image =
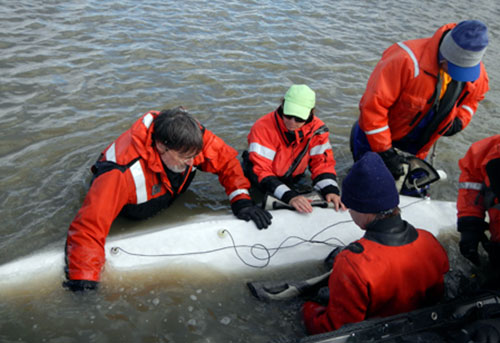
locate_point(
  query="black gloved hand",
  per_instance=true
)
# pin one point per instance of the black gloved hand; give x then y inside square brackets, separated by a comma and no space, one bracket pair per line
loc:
[80,285]
[246,210]
[493,250]
[394,162]
[469,242]
[471,233]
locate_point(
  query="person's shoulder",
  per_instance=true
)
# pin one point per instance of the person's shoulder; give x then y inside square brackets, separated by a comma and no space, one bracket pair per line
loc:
[266,122]
[355,247]
[351,250]
[486,146]
[265,118]
[317,122]
[424,235]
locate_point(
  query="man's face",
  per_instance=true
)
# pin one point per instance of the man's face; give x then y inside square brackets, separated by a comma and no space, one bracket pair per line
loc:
[174,160]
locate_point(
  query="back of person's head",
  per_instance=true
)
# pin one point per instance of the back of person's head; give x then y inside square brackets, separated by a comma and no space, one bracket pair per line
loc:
[369,186]
[178,131]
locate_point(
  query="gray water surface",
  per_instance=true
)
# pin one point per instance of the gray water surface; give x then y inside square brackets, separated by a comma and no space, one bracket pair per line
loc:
[76,74]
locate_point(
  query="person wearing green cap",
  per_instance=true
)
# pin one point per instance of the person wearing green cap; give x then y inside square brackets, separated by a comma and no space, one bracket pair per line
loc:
[284,143]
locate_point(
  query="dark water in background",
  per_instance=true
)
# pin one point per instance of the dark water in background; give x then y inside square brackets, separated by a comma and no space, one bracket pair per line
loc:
[76,74]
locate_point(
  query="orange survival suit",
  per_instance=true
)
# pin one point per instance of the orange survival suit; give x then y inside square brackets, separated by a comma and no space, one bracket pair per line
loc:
[394,268]
[277,158]
[401,106]
[477,194]
[130,179]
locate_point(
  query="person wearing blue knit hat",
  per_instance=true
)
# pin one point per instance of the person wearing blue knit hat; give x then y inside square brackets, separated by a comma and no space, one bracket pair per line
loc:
[394,268]
[463,49]
[420,90]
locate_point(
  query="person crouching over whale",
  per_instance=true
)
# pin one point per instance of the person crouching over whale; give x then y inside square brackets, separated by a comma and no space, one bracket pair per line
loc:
[283,144]
[394,268]
[142,172]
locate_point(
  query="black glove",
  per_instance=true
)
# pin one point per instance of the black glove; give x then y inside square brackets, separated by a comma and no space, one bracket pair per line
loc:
[455,127]
[394,162]
[469,242]
[493,250]
[80,285]
[483,331]
[471,233]
[246,210]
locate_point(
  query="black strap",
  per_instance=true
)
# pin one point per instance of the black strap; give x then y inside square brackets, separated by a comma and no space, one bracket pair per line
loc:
[442,109]
[278,126]
[299,158]
[101,167]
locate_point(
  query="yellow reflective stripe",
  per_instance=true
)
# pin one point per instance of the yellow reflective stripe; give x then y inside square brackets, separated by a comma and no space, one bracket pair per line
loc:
[470,185]
[111,153]
[467,108]
[326,182]
[238,192]
[412,56]
[280,190]
[140,182]
[262,151]
[319,149]
[372,132]
[147,120]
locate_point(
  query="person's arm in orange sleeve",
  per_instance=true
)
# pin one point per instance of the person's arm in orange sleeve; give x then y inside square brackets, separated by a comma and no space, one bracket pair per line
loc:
[347,304]
[221,159]
[87,233]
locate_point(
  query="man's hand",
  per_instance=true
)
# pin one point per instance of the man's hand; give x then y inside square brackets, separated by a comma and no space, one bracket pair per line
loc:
[335,199]
[301,204]
[394,162]
[469,242]
[471,233]
[245,209]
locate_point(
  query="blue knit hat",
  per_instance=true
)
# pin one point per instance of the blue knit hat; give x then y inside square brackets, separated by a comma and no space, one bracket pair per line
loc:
[463,48]
[369,186]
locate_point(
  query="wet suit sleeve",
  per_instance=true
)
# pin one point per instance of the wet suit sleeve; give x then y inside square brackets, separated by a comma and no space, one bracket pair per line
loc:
[262,151]
[469,201]
[349,299]
[87,233]
[383,90]
[322,165]
[221,159]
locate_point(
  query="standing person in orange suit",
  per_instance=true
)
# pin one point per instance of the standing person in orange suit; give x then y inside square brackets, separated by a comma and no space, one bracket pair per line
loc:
[420,90]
